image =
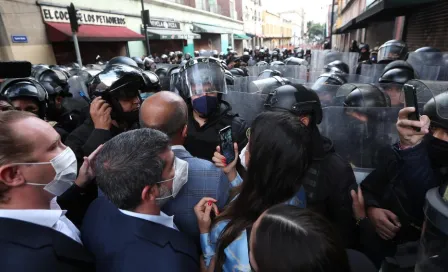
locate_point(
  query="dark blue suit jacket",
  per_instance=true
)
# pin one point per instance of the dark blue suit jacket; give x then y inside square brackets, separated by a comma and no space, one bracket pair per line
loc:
[124,243]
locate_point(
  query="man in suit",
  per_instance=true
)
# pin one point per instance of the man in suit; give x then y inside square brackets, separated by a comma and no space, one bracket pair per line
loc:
[35,234]
[167,112]
[125,229]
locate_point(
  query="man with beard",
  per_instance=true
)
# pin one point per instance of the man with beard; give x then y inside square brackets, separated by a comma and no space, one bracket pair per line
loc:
[395,192]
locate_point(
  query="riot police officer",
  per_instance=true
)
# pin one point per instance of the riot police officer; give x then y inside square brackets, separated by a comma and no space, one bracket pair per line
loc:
[364,52]
[394,76]
[196,54]
[149,64]
[325,195]
[164,58]
[179,56]
[139,62]
[392,50]
[203,83]
[122,60]
[5,104]
[114,109]
[215,54]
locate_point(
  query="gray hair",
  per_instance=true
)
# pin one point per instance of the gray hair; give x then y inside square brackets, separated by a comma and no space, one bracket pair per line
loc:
[128,163]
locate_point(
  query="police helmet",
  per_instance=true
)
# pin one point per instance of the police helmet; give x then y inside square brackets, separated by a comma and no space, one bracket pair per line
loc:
[37,68]
[118,82]
[364,46]
[295,61]
[171,55]
[53,78]
[230,79]
[139,62]
[162,72]
[296,99]
[432,108]
[269,73]
[246,57]
[26,88]
[196,54]
[364,96]
[398,71]
[164,57]
[179,54]
[329,79]
[392,50]
[277,63]
[152,82]
[427,49]
[221,55]
[237,72]
[122,60]
[337,66]
[149,64]
[261,63]
[215,54]
[187,56]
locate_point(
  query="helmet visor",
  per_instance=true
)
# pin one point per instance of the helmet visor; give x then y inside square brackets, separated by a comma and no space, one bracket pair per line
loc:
[204,77]
[391,52]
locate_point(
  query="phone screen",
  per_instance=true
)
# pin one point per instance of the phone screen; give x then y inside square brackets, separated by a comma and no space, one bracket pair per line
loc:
[227,150]
[410,95]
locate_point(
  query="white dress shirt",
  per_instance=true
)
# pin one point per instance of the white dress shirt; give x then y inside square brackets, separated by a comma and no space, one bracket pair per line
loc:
[162,219]
[177,147]
[54,219]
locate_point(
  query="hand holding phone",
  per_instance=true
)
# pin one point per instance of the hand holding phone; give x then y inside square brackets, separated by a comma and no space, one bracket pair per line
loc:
[226,144]
[410,95]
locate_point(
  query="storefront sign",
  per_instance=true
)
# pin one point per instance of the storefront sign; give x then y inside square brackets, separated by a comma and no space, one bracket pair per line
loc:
[60,15]
[19,39]
[178,37]
[165,24]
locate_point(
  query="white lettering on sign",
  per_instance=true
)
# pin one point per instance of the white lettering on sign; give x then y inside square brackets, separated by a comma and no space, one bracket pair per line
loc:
[60,15]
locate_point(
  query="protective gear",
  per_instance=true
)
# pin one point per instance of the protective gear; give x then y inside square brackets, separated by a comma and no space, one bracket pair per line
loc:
[397,72]
[187,56]
[237,72]
[139,62]
[152,82]
[196,54]
[296,99]
[222,56]
[329,79]
[179,180]
[354,47]
[205,105]
[337,66]
[435,109]
[66,170]
[164,58]
[364,52]
[119,82]
[122,60]
[267,85]
[262,63]
[392,50]
[162,72]
[179,55]
[26,88]
[246,57]
[229,49]
[269,73]
[230,79]
[149,64]
[202,75]
[277,63]
[215,54]
[295,61]
[363,96]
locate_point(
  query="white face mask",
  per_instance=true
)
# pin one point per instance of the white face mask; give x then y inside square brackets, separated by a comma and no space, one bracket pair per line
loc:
[243,157]
[179,180]
[66,170]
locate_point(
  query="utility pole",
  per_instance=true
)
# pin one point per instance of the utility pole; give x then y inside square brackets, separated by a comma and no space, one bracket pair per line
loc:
[332,24]
[145,22]
[73,17]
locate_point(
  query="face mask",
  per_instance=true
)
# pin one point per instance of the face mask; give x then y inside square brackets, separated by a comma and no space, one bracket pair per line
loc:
[437,151]
[146,95]
[179,180]
[243,157]
[130,117]
[65,167]
[205,105]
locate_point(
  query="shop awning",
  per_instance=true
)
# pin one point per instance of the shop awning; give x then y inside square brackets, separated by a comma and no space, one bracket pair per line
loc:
[250,35]
[161,34]
[241,37]
[201,28]
[348,26]
[60,32]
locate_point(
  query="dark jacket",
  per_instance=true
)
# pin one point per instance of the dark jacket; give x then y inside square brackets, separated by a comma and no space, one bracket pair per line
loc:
[124,243]
[330,195]
[76,200]
[202,141]
[29,247]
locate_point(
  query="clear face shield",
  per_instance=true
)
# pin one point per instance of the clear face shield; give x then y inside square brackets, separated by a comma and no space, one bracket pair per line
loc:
[391,52]
[203,76]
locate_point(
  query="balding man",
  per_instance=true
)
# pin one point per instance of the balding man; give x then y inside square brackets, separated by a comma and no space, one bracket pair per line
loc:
[167,112]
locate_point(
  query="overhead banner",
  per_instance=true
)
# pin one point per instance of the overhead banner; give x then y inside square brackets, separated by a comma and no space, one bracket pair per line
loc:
[60,15]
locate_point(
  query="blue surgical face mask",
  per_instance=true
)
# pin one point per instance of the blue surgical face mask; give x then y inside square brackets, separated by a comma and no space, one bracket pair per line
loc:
[205,105]
[146,95]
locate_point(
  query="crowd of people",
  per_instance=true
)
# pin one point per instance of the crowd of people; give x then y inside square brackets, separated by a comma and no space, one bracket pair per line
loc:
[110,167]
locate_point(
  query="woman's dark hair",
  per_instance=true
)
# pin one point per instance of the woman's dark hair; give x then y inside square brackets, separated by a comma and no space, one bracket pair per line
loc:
[292,239]
[279,158]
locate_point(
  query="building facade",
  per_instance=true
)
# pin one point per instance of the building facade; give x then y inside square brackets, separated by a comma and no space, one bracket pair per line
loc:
[297,19]
[277,32]
[40,31]
[252,17]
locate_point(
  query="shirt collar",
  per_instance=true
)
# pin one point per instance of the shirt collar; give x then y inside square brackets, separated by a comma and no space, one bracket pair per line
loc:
[162,219]
[177,147]
[46,218]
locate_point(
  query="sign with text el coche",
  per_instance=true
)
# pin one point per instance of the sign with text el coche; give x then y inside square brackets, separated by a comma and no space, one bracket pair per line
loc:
[60,15]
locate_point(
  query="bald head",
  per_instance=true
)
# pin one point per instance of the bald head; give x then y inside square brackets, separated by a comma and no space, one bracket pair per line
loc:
[165,111]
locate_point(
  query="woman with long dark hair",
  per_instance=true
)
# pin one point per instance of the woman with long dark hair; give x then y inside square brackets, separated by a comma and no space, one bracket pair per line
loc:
[277,160]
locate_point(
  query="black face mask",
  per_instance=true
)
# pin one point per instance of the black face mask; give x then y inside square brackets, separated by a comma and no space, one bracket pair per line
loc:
[437,151]
[131,118]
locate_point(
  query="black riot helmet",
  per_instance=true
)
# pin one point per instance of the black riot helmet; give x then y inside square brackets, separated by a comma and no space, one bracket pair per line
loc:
[221,56]
[171,55]
[277,63]
[215,54]
[162,72]
[152,82]
[139,62]
[237,72]
[37,68]
[398,71]
[364,52]
[245,57]
[261,63]
[295,61]
[337,66]
[296,99]
[118,82]
[26,88]
[175,84]
[392,50]
[122,60]
[329,79]
[196,54]
[187,56]
[269,73]
[437,104]
[230,79]
[267,85]
[179,54]
[427,49]
[53,79]
[149,64]
[164,58]
[364,96]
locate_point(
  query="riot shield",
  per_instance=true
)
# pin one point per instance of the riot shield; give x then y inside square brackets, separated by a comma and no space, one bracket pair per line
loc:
[395,93]
[165,83]
[372,71]
[247,105]
[313,77]
[321,58]
[297,72]
[427,90]
[427,65]
[78,88]
[267,85]
[360,135]
[166,65]
[326,93]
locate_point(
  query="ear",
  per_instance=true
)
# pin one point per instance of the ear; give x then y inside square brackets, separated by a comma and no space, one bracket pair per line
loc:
[11,176]
[149,193]
[185,131]
[305,120]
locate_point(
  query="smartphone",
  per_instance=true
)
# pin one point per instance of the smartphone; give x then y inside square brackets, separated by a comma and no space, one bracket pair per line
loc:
[226,144]
[410,96]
